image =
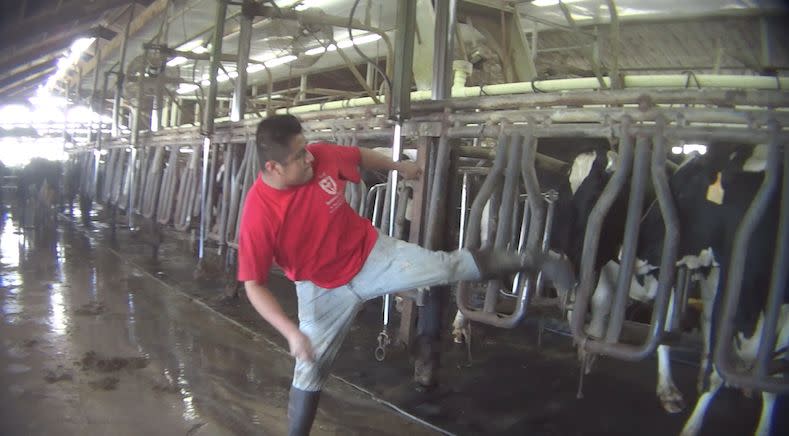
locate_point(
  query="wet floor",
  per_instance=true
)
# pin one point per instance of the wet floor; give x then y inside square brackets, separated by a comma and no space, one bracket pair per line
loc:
[99,337]
[93,344]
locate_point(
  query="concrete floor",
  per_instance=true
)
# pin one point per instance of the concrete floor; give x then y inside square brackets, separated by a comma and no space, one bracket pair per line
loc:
[93,345]
[100,338]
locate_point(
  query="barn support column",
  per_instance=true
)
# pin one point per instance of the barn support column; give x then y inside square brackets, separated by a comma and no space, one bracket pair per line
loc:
[429,321]
[208,115]
[119,78]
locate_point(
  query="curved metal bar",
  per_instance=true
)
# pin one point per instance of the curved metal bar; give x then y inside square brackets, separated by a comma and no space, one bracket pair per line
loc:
[167,190]
[671,239]
[529,174]
[731,294]
[187,192]
[492,181]
[117,177]
[109,175]
[508,202]
[592,235]
[153,184]
[237,193]
[627,262]
[534,196]
[778,281]
[227,178]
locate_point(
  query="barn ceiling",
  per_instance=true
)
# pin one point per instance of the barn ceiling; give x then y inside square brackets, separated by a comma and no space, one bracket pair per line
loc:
[671,35]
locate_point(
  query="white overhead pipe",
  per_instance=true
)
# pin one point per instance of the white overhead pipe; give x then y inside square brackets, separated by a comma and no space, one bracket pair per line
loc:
[681,81]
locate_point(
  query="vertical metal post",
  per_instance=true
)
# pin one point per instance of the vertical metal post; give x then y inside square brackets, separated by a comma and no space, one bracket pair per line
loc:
[634,210]
[216,53]
[240,94]
[370,76]
[94,90]
[778,279]
[400,107]
[302,88]
[116,104]
[766,43]
[731,297]
[429,321]
[443,55]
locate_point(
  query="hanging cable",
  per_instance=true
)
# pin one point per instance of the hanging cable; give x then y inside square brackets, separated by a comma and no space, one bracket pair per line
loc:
[370,62]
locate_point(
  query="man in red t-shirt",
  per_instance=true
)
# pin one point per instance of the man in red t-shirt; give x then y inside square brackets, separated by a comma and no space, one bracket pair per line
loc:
[296,215]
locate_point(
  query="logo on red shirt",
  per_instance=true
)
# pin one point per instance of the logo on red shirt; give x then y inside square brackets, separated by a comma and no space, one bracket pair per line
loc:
[329,185]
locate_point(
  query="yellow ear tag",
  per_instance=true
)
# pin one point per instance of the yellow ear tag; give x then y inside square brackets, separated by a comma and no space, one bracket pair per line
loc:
[715,191]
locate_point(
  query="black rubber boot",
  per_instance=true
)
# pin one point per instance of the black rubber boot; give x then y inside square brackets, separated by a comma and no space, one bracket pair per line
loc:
[499,263]
[302,406]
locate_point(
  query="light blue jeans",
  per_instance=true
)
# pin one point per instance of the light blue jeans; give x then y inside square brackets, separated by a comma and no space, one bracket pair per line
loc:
[325,315]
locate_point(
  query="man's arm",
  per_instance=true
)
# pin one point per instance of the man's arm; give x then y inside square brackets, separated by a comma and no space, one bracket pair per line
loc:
[372,160]
[267,306]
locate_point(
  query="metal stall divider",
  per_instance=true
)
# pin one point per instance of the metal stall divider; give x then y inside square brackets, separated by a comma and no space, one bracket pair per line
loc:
[761,377]
[229,162]
[167,189]
[210,218]
[187,192]
[638,161]
[109,175]
[520,155]
[152,186]
[117,179]
[245,177]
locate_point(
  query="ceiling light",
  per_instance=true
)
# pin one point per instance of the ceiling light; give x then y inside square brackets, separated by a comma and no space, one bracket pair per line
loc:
[200,49]
[345,43]
[280,61]
[190,46]
[186,88]
[178,60]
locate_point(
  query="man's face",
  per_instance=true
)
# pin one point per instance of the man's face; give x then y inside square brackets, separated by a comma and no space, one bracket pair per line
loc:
[296,169]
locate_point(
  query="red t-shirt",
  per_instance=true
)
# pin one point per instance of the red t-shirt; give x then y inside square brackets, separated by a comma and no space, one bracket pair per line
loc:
[310,231]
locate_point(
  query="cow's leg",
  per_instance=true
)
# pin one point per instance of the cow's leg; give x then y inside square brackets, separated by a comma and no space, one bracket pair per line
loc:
[460,328]
[693,424]
[709,287]
[670,397]
[602,300]
[766,417]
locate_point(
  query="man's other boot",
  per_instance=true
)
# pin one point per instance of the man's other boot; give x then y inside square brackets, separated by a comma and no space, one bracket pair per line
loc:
[302,406]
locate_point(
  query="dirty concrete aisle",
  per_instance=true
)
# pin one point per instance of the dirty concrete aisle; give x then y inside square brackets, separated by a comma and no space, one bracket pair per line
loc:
[93,345]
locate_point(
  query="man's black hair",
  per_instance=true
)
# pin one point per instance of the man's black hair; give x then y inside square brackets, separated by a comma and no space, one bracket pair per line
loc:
[273,138]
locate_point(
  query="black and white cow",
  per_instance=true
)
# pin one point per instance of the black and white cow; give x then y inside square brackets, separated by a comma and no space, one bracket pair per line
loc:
[589,175]
[712,194]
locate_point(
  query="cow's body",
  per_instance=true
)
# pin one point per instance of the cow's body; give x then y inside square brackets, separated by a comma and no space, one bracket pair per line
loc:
[712,194]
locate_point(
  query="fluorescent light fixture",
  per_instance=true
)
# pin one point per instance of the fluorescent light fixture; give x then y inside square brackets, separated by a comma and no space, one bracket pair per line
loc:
[542,3]
[178,60]
[280,61]
[306,4]
[190,46]
[345,43]
[185,150]
[319,50]
[359,40]
[254,68]
[200,49]
[185,88]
